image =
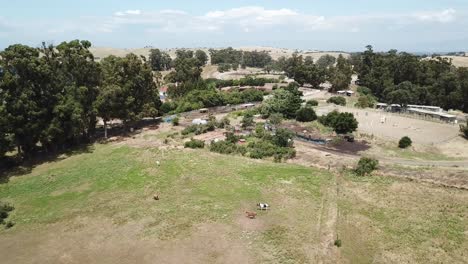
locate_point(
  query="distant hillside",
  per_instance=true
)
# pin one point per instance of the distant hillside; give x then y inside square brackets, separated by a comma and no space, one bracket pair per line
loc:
[102,52]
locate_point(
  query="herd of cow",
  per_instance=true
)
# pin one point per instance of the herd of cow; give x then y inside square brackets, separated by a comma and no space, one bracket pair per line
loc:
[261,206]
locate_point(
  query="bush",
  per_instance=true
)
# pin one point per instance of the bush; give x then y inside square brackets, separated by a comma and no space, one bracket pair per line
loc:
[312,103]
[365,101]
[5,209]
[464,130]
[306,114]
[366,166]
[226,147]
[364,90]
[194,144]
[189,129]
[9,224]
[337,242]
[247,121]
[175,121]
[404,142]
[338,100]
[275,118]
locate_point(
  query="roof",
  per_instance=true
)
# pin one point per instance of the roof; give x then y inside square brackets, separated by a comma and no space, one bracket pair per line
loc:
[163,89]
[431,113]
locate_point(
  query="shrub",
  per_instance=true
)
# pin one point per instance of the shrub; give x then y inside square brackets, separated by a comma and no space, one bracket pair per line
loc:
[189,129]
[9,224]
[338,100]
[464,130]
[312,103]
[175,121]
[247,121]
[275,118]
[224,122]
[283,138]
[365,101]
[306,114]
[337,242]
[404,142]
[364,90]
[225,147]
[366,166]
[5,209]
[194,143]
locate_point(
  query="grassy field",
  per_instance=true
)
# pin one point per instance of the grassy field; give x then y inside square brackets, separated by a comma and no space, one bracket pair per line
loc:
[98,207]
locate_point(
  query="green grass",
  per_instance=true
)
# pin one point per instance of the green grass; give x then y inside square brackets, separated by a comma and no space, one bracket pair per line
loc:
[119,182]
[377,215]
[410,153]
[405,218]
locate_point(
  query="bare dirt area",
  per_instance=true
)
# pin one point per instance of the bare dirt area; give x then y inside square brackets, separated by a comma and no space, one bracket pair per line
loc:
[397,126]
[86,240]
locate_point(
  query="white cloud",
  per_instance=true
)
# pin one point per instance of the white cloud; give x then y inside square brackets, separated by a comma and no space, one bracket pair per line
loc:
[444,16]
[254,18]
[128,12]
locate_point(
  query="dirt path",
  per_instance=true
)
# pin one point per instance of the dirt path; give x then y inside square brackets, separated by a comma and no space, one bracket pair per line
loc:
[327,223]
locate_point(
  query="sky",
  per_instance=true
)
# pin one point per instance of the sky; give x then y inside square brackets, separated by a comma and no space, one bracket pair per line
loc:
[345,25]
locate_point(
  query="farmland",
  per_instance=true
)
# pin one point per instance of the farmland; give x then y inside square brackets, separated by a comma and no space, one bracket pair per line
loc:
[97,205]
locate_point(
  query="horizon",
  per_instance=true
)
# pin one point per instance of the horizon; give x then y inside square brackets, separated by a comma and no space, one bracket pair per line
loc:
[419,26]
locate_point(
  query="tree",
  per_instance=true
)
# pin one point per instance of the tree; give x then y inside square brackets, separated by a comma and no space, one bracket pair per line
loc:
[138,95]
[24,97]
[159,61]
[282,102]
[108,103]
[345,123]
[366,166]
[202,58]
[341,75]
[342,123]
[404,142]
[326,61]
[306,114]
[283,138]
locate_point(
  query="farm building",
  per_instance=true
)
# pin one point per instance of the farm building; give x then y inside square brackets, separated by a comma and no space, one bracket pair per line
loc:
[433,114]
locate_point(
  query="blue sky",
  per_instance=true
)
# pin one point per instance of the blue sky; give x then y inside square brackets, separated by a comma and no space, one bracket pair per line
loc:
[412,25]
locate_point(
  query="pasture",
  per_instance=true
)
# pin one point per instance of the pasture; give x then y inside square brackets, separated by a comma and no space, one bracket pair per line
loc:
[97,206]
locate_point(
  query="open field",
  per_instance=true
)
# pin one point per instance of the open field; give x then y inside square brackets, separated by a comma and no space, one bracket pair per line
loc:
[97,206]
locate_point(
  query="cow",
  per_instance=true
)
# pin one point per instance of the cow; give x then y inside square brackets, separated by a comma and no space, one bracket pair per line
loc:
[251,215]
[156,197]
[263,206]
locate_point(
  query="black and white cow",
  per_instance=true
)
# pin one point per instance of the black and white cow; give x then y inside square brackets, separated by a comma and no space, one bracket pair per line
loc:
[263,206]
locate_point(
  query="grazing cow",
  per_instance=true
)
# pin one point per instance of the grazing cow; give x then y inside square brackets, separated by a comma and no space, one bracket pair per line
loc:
[263,206]
[251,215]
[156,197]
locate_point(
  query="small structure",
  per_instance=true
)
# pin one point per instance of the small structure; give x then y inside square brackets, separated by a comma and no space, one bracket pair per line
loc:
[199,121]
[203,110]
[382,106]
[394,108]
[437,115]
[349,93]
[245,106]
[341,92]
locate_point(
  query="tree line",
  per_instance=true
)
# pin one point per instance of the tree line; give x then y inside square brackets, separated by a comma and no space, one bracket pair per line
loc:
[52,96]
[337,71]
[404,78]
